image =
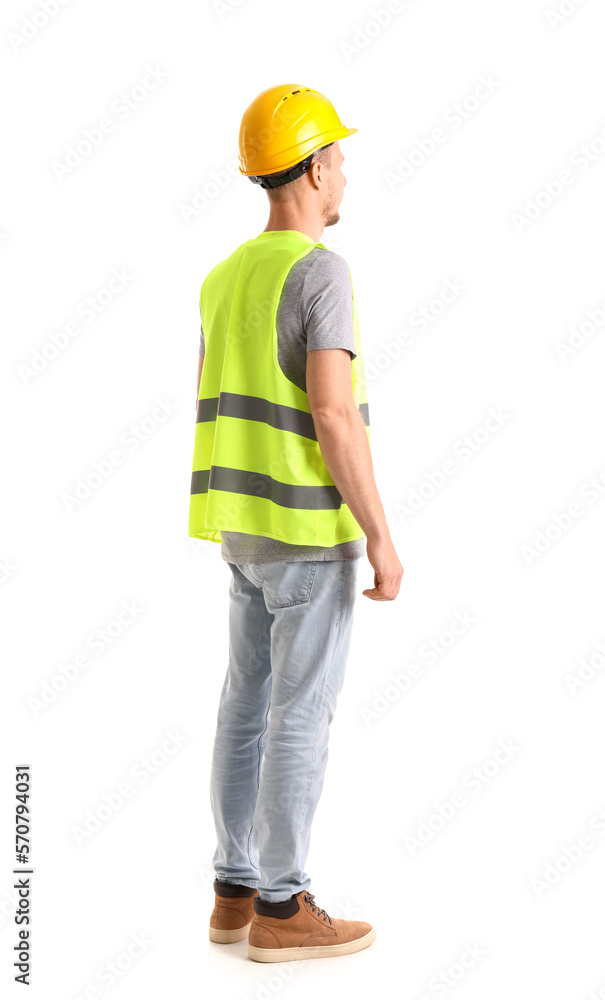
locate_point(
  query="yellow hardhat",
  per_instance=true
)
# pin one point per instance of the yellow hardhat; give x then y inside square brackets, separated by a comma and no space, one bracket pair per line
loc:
[282,128]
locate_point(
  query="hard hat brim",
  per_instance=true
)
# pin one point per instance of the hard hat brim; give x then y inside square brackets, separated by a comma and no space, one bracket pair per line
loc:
[313,144]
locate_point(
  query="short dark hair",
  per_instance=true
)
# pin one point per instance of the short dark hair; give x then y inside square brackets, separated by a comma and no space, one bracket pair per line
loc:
[322,155]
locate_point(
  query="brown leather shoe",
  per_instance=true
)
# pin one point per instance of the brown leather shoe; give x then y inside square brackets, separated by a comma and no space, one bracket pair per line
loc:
[233,911]
[299,929]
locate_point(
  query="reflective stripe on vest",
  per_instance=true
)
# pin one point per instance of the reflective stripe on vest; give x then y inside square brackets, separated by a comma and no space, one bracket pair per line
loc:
[257,465]
[252,408]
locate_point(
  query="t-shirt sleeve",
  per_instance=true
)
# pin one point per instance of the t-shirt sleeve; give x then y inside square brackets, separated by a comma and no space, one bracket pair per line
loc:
[202,345]
[327,304]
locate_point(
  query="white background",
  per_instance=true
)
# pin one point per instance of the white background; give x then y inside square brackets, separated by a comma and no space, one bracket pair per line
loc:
[472,546]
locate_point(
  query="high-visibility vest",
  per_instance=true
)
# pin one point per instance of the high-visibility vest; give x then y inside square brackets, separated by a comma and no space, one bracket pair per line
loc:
[257,464]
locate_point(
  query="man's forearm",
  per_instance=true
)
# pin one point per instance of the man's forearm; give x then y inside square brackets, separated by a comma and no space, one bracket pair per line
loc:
[345,448]
[200,365]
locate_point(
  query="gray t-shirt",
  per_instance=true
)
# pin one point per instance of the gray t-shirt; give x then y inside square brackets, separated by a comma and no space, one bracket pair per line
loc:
[315,312]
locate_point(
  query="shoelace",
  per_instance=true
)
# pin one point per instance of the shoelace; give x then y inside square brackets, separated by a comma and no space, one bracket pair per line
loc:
[309,899]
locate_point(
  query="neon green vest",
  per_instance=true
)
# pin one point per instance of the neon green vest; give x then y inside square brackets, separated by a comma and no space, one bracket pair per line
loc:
[257,464]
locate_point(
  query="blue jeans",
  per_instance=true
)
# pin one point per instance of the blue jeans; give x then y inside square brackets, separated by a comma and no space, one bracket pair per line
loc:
[289,637]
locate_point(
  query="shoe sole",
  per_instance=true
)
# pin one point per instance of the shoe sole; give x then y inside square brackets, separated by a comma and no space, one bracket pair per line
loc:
[315,951]
[228,937]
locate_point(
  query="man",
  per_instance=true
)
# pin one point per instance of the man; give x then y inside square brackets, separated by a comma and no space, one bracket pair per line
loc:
[283,478]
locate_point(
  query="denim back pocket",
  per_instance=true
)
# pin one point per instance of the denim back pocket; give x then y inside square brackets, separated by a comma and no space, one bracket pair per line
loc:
[238,577]
[287,584]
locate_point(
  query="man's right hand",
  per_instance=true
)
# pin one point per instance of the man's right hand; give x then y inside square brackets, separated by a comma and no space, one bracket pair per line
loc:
[387,569]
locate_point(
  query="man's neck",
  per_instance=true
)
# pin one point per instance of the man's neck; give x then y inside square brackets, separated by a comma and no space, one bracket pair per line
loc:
[312,229]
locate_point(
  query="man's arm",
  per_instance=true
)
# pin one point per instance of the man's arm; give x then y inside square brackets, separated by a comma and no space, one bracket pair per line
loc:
[201,358]
[345,448]
[199,377]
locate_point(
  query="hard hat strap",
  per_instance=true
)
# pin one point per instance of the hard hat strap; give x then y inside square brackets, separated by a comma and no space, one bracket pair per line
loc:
[296,171]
